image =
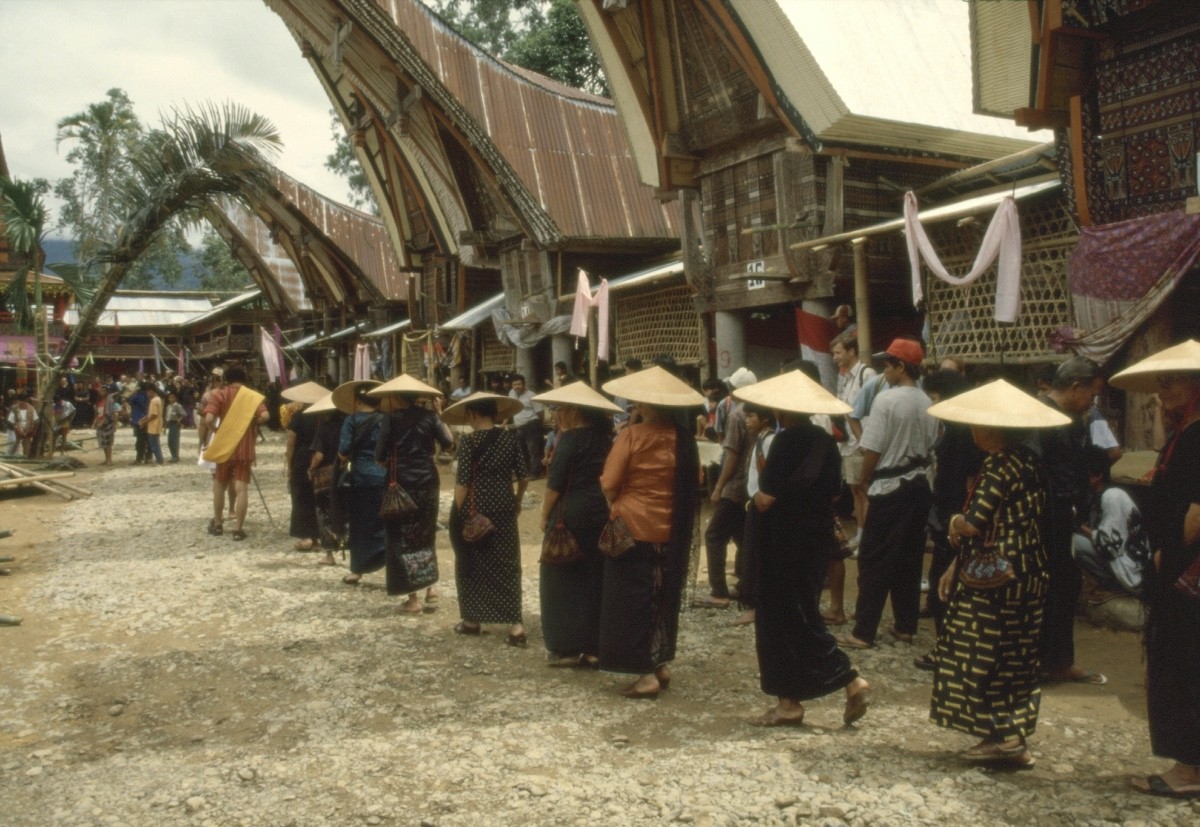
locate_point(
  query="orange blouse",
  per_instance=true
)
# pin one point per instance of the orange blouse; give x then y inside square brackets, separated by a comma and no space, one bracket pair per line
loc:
[641,469]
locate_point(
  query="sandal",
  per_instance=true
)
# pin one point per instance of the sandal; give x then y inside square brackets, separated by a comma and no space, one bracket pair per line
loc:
[1159,786]
[848,641]
[773,719]
[304,545]
[1088,678]
[404,610]
[214,528]
[995,751]
[903,637]
[520,640]
[352,579]
[927,662]
[463,628]
[238,534]
[710,602]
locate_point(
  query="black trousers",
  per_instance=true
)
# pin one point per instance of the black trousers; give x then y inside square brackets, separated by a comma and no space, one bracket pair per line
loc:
[141,445]
[890,558]
[533,439]
[727,523]
[943,556]
[1057,646]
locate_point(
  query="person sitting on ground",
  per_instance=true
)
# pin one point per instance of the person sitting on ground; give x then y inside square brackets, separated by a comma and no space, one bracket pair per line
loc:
[1112,546]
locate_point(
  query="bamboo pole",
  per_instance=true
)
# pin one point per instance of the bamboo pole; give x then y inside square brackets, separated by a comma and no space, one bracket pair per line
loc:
[14,471]
[862,299]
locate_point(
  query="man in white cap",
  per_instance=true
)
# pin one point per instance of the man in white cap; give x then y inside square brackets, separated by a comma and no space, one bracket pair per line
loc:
[728,496]
[897,443]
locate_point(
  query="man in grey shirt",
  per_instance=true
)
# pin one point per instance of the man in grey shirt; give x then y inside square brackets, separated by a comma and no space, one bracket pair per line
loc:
[897,443]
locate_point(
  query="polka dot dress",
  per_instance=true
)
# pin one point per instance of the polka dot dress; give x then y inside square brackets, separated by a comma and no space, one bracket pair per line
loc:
[489,572]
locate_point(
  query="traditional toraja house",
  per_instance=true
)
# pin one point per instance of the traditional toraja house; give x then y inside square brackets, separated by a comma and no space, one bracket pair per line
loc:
[319,263]
[489,178]
[1117,82]
[781,122]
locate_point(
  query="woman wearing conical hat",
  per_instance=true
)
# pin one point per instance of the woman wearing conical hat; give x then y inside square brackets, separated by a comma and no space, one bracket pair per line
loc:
[650,480]
[986,683]
[408,443]
[570,591]
[301,429]
[1172,587]
[790,537]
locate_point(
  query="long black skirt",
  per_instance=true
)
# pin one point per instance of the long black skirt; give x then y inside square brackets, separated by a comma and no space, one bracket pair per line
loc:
[570,597]
[415,532]
[797,656]
[639,608]
[1173,676]
[303,524]
[367,540]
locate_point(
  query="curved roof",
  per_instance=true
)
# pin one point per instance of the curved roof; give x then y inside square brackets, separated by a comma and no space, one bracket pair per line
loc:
[558,155]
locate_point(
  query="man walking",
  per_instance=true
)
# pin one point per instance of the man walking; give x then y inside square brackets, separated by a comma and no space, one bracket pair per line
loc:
[240,411]
[1063,454]
[728,496]
[897,443]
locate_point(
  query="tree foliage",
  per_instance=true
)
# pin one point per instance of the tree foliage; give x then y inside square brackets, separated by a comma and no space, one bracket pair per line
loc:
[104,139]
[343,162]
[220,272]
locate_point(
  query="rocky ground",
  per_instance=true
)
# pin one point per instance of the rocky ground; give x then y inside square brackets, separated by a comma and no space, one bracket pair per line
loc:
[165,677]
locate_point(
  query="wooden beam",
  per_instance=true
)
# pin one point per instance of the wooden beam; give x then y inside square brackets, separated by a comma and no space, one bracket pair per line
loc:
[1079,163]
[862,299]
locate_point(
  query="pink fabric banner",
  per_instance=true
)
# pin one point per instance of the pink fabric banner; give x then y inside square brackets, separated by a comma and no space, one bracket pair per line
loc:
[584,302]
[1001,241]
[270,354]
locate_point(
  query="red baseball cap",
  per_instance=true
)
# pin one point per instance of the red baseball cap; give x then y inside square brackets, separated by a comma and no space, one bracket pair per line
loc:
[903,350]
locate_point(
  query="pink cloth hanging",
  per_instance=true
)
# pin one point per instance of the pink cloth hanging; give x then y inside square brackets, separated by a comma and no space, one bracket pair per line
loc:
[362,361]
[270,353]
[584,302]
[1002,240]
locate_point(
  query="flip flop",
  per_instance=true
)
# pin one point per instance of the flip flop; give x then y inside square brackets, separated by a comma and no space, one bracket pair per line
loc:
[927,662]
[1088,678]
[352,579]
[464,629]
[1158,786]
[215,528]
[404,611]
[327,562]
[710,602]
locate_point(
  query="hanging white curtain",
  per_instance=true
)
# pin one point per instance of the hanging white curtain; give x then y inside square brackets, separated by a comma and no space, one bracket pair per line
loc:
[584,302]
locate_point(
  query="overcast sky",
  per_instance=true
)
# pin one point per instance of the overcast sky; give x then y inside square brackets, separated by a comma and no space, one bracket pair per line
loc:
[59,56]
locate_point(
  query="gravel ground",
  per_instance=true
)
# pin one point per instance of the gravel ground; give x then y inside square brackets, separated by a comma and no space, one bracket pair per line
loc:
[165,677]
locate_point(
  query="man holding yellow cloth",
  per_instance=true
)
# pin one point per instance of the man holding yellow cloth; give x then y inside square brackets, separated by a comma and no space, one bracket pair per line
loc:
[239,410]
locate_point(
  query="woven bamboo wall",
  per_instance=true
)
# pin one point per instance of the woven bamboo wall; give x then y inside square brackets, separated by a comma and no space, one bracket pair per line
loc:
[414,356]
[494,355]
[655,322]
[962,319]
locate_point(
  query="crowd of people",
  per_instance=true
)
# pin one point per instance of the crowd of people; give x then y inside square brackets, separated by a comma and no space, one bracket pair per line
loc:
[1011,490]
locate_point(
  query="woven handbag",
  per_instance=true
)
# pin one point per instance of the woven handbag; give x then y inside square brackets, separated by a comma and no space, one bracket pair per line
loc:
[615,538]
[985,567]
[559,546]
[397,502]
[476,526]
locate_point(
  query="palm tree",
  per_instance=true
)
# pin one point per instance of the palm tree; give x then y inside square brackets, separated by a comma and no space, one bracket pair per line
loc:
[195,157]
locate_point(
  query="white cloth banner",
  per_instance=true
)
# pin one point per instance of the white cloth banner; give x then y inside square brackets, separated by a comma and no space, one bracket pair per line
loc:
[362,361]
[584,302]
[270,353]
[1002,240]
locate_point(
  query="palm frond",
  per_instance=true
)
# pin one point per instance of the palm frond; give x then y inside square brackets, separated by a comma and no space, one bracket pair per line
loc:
[76,277]
[24,216]
[16,298]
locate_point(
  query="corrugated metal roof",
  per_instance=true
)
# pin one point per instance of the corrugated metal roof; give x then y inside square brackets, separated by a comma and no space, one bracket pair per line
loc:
[145,310]
[228,304]
[574,173]
[868,71]
[395,327]
[641,278]
[1001,57]
[302,342]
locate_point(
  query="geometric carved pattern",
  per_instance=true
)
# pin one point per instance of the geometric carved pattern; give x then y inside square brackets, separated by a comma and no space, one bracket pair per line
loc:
[962,319]
[656,322]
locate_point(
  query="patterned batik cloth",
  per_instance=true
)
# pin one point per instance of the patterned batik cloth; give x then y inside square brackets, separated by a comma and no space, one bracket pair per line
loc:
[987,654]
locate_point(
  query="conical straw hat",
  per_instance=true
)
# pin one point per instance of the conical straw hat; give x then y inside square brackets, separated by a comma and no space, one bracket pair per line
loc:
[405,384]
[578,394]
[325,403]
[308,393]
[506,407]
[343,394]
[1181,358]
[655,386]
[792,391]
[998,405]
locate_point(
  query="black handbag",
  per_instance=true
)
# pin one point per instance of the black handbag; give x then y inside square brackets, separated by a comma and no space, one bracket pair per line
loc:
[416,570]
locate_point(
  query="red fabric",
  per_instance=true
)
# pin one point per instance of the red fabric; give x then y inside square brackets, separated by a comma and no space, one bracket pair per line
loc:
[219,402]
[814,331]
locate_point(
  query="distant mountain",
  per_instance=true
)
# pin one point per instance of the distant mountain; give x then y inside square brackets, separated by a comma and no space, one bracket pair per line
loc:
[60,251]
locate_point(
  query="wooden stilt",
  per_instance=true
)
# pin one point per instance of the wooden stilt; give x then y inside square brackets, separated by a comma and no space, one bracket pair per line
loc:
[862,298]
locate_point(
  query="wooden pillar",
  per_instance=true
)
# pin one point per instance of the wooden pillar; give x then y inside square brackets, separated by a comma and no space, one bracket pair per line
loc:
[593,347]
[862,298]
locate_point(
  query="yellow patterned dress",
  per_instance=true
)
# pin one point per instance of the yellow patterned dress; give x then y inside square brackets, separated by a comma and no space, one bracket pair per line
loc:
[987,654]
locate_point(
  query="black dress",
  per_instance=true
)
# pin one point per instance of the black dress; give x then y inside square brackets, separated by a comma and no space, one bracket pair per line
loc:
[304,504]
[570,594]
[331,518]
[488,573]
[409,439]
[798,658]
[1173,626]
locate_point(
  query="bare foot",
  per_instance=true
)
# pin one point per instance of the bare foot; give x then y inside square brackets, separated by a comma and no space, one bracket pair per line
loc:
[744,619]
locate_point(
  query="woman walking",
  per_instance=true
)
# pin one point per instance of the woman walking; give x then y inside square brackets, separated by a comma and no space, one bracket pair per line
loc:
[1172,588]
[650,480]
[301,431]
[570,590]
[986,681]
[356,449]
[331,518]
[488,568]
[407,446]
[798,659]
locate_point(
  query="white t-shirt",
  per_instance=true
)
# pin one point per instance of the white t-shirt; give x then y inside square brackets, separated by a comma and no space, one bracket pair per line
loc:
[900,430]
[849,385]
[752,471]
